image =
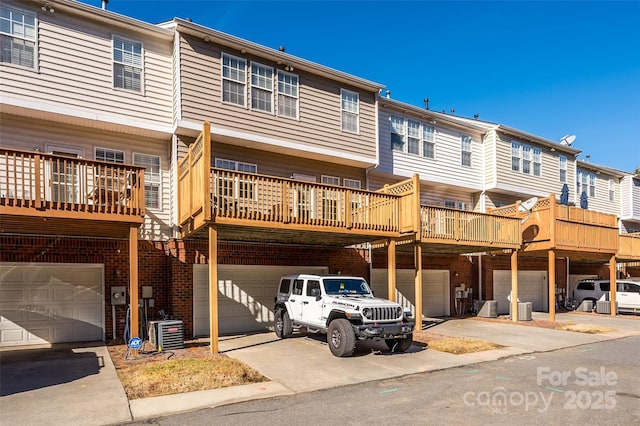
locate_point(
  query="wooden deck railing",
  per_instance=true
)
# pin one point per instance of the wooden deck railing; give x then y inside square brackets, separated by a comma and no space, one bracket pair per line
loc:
[565,227]
[46,182]
[446,225]
[629,247]
[268,199]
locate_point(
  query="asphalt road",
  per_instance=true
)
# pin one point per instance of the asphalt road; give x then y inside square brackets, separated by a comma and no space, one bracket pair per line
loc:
[592,384]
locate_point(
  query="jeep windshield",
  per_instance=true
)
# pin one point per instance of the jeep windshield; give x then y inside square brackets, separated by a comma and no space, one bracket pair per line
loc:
[350,286]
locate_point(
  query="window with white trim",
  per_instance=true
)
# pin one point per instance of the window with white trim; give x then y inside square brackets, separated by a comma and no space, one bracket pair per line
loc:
[563,169]
[232,189]
[261,87]
[350,105]
[109,155]
[287,94]
[413,137]
[515,156]
[397,133]
[592,185]
[453,204]
[152,178]
[465,149]
[234,80]
[330,180]
[612,190]
[526,159]
[352,183]
[330,198]
[127,64]
[537,161]
[17,36]
[428,141]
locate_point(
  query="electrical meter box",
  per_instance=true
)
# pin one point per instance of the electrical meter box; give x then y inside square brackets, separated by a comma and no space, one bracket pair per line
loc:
[118,295]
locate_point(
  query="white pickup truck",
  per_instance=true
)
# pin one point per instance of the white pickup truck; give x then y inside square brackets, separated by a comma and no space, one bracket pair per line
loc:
[344,308]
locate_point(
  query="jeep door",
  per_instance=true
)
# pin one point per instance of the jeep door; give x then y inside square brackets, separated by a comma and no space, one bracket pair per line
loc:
[312,303]
[295,300]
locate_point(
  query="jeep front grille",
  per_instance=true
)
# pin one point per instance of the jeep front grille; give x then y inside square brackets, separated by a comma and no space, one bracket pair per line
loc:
[384,313]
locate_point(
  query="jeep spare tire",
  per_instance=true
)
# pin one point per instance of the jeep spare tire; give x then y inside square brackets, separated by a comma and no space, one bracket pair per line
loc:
[341,338]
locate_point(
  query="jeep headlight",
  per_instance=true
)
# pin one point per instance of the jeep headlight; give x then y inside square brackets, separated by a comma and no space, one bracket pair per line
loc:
[367,313]
[398,311]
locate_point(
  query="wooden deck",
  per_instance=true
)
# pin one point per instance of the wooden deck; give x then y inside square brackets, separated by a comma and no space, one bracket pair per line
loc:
[79,196]
[576,232]
[629,247]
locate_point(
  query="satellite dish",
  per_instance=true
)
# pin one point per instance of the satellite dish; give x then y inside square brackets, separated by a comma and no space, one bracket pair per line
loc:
[526,206]
[567,139]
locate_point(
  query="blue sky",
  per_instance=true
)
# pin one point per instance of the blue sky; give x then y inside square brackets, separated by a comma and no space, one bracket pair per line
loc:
[546,67]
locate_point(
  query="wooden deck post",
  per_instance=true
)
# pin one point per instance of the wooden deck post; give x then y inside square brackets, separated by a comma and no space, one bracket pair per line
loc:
[391,270]
[514,285]
[612,284]
[133,281]
[418,285]
[213,288]
[552,285]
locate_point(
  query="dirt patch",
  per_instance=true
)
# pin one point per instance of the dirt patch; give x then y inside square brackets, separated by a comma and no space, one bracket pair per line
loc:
[564,326]
[586,328]
[193,368]
[453,345]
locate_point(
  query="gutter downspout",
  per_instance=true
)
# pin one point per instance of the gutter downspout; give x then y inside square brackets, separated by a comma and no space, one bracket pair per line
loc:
[366,176]
[479,276]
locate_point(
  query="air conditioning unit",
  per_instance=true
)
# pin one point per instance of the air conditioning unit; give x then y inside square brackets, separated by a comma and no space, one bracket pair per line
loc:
[486,308]
[524,311]
[166,335]
[586,306]
[604,307]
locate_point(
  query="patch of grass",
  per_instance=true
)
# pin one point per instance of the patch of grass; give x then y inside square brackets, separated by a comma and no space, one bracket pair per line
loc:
[586,328]
[462,345]
[185,375]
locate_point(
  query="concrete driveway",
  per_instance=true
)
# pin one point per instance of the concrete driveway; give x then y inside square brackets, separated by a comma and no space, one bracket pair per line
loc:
[72,384]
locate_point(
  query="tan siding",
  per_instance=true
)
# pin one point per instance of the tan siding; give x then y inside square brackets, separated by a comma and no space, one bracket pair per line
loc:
[601,201]
[547,183]
[29,135]
[75,71]
[493,200]
[318,126]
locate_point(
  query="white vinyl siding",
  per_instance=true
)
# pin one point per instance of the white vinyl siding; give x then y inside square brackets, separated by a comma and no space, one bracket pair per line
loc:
[152,179]
[350,106]
[261,87]
[128,64]
[234,80]
[17,37]
[287,95]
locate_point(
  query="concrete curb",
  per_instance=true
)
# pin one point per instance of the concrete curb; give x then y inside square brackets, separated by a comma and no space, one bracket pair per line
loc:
[173,404]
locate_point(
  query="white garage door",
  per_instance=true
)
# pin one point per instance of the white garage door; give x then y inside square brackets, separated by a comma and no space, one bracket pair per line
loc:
[532,287]
[435,289]
[245,296]
[50,303]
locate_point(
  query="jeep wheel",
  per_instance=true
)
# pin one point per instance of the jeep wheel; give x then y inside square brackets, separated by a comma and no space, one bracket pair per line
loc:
[341,338]
[283,324]
[400,345]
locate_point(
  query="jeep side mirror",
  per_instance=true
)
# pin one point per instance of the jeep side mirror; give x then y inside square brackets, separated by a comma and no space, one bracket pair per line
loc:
[315,292]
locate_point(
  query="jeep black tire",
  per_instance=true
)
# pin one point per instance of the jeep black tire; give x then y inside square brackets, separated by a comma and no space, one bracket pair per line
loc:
[341,338]
[400,345]
[283,325]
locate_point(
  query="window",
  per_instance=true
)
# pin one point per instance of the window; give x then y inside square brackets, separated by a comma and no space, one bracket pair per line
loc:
[18,36]
[352,183]
[537,162]
[297,287]
[428,142]
[413,137]
[152,178]
[465,146]
[127,64]
[311,286]
[592,185]
[350,111]
[458,205]
[330,180]
[66,174]
[234,80]
[397,133]
[231,189]
[261,88]
[526,159]
[110,155]
[563,169]
[287,95]
[515,156]
[612,190]
[330,198]
[586,182]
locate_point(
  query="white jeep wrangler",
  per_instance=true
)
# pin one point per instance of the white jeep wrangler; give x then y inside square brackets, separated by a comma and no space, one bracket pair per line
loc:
[343,308]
